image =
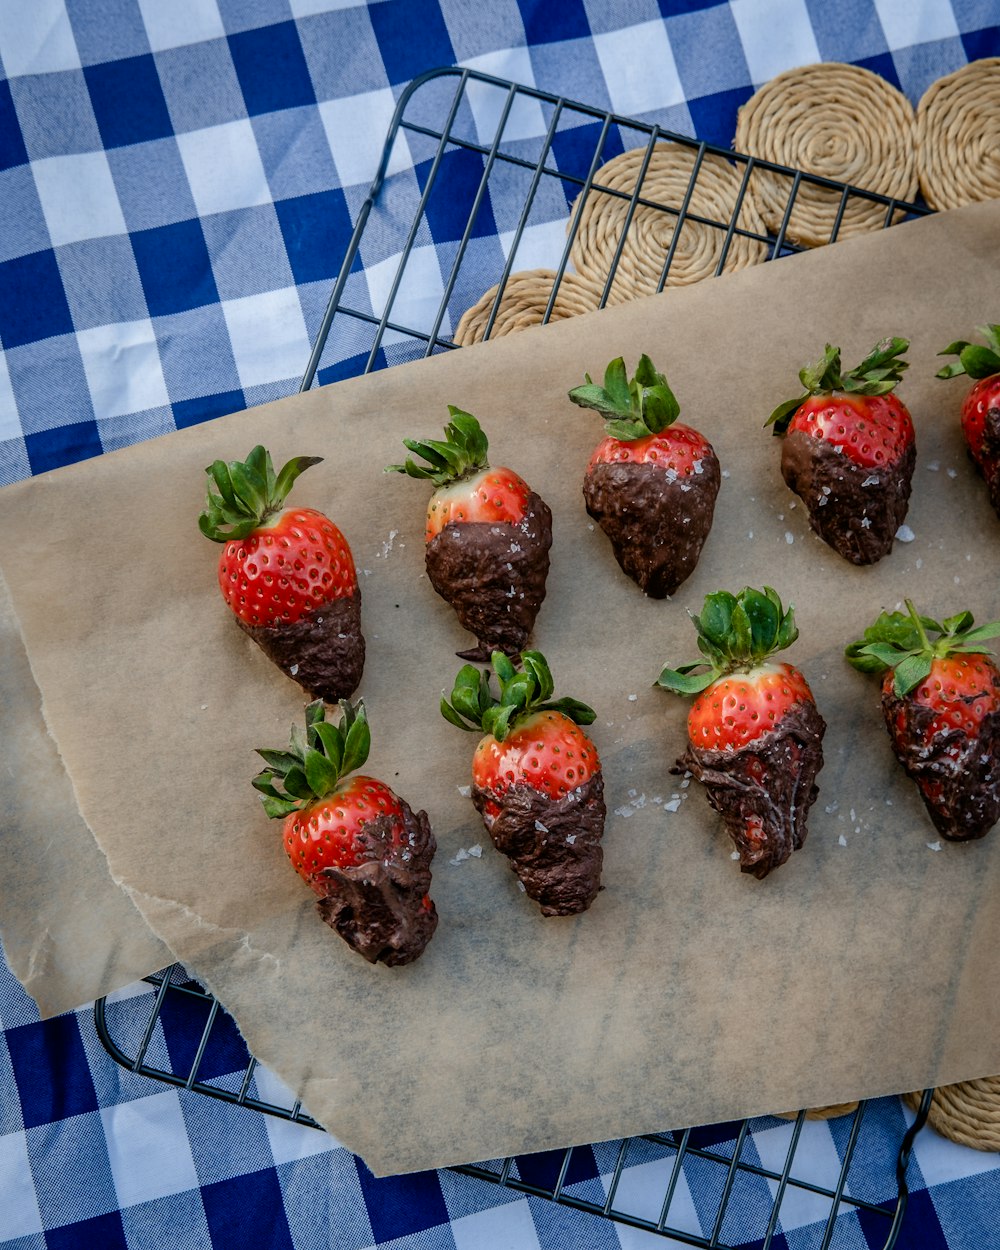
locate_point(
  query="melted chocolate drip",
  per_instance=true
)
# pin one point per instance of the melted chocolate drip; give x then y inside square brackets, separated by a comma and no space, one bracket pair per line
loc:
[657,524]
[856,511]
[378,907]
[324,651]
[765,789]
[493,574]
[958,775]
[554,845]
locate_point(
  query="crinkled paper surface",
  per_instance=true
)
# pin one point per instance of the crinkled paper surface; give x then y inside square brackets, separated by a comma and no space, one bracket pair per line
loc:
[689,993]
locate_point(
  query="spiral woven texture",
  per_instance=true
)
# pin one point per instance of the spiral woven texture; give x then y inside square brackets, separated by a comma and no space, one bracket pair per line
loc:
[839,122]
[699,250]
[525,299]
[958,136]
[967,1113]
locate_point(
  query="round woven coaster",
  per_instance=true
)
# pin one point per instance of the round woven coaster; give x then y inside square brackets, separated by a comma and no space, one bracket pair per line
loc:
[958,136]
[967,1113]
[699,246]
[821,1113]
[840,122]
[525,299]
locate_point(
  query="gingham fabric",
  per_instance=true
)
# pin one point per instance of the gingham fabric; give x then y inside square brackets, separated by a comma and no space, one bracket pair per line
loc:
[179,180]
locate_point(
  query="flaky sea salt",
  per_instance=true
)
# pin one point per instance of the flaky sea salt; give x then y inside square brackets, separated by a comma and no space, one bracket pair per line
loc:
[789,537]
[624,811]
[934,846]
[540,827]
[673,805]
[905,534]
[464,791]
[734,854]
[841,841]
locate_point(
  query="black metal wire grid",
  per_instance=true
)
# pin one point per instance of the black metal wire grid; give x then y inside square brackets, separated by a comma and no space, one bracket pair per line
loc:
[179,1034]
[536,182]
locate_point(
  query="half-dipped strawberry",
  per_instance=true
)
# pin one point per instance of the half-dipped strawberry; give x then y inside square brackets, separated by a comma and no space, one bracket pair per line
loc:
[287,574]
[359,845]
[536,779]
[849,450]
[488,537]
[755,736]
[652,482]
[981,406]
[941,705]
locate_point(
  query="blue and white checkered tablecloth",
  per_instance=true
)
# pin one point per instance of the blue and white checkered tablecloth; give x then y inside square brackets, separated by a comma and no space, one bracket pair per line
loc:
[179,180]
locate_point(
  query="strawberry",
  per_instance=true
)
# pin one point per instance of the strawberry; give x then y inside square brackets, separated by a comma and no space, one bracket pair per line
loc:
[358,844]
[981,406]
[652,482]
[287,574]
[755,736]
[536,779]
[487,537]
[849,450]
[941,705]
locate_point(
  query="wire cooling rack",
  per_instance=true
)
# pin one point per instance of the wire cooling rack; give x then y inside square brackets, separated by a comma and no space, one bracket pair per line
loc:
[491,178]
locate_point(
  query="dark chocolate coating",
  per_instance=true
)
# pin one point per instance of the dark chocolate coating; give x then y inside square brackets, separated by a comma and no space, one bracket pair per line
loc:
[324,651]
[772,779]
[657,523]
[493,575]
[961,791]
[378,907]
[988,462]
[554,845]
[858,521]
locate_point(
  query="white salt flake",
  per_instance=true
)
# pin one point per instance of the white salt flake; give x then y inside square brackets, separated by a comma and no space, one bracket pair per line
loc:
[957,580]
[639,801]
[464,791]
[831,808]
[476,851]
[734,854]
[204,707]
[725,472]
[571,838]
[934,846]
[540,827]
[633,792]
[854,814]
[841,841]
[367,572]
[952,472]
[920,563]
[685,783]
[673,805]
[934,465]
[750,534]
[905,534]
[521,887]
[789,537]
[633,698]
[872,479]
[866,523]
[294,669]
[460,856]
[624,811]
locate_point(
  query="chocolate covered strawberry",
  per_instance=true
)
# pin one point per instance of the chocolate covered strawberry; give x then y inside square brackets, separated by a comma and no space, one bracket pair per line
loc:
[849,450]
[941,705]
[755,736]
[287,574]
[981,406]
[536,779]
[488,536]
[359,845]
[652,482]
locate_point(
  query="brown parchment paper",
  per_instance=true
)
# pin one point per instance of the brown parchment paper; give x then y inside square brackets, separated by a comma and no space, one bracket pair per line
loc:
[689,993]
[54,879]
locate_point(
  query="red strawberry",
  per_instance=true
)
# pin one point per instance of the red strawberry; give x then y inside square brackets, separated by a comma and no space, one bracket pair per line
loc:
[488,536]
[536,779]
[651,484]
[286,573]
[981,406]
[755,736]
[358,844]
[850,449]
[941,704]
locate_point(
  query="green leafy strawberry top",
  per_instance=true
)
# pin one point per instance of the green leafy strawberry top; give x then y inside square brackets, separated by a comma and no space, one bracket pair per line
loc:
[632,408]
[977,362]
[735,634]
[523,692]
[316,759]
[247,493]
[461,453]
[902,641]
[877,374]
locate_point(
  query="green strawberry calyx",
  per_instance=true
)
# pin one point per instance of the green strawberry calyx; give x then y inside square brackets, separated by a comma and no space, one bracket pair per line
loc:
[902,641]
[317,759]
[523,692]
[736,633]
[632,408]
[247,493]
[975,361]
[878,374]
[461,453]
